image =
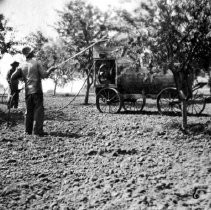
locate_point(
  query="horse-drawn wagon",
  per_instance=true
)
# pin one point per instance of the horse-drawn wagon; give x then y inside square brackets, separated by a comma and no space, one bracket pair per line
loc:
[119,83]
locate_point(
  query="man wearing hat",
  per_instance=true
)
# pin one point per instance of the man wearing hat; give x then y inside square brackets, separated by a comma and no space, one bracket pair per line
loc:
[32,72]
[14,93]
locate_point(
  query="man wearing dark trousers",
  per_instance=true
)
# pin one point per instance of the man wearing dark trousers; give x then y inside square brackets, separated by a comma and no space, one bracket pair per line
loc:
[32,72]
[13,88]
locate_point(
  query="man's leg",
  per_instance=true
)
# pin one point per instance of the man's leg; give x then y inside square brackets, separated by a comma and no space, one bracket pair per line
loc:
[16,99]
[12,100]
[38,114]
[29,114]
[9,102]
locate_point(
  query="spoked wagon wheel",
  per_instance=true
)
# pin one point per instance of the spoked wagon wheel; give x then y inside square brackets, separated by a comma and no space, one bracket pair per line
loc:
[134,104]
[196,104]
[168,101]
[108,100]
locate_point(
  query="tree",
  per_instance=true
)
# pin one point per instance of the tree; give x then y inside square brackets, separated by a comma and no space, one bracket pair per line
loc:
[177,35]
[6,37]
[79,26]
[186,41]
[37,40]
[52,53]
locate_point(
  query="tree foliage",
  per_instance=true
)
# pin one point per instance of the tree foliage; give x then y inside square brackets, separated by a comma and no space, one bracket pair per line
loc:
[174,31]
[79,26]
[52,53]
[6,37]
[37,40]
[130,34]
[178,35]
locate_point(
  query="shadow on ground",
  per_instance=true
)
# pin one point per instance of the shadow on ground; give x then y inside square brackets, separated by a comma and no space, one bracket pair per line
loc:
[170,113]
[152,113]
[12,118]
[192,128]
[67,135]
[197,128]
[52,115]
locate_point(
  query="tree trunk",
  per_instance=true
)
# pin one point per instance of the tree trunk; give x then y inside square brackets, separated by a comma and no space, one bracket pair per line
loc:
[89,82]
[88,85]
[209,82]
[184,88]
[184,114]
[55,86]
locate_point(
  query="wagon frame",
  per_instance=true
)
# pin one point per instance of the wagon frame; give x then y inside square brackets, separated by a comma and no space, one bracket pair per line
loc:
[112,96]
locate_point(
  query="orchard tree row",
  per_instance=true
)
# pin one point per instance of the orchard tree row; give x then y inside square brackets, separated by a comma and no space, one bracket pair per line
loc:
[176,33]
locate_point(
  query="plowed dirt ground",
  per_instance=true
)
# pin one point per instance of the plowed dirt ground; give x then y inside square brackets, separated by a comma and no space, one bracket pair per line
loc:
[91,160]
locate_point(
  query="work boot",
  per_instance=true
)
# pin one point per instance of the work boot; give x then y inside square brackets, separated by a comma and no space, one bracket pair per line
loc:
[41,134]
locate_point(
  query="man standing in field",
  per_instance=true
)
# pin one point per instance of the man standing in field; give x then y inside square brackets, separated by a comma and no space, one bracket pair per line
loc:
[13,88]
[32,72]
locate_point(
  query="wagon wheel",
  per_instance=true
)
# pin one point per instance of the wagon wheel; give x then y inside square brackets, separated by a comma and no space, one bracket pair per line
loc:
[196,104]
[134,105]
[108,100]
[168,101]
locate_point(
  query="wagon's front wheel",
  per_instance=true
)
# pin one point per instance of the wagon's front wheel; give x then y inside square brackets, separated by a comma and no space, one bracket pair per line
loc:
[108,100]
[168,101]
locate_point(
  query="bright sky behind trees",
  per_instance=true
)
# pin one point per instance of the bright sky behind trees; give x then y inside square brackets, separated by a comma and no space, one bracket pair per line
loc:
[31,15]
[27,16]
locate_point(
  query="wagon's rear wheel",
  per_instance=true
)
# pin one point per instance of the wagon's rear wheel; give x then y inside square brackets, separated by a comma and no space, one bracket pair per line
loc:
[134,104]
[196,104]
[168,101]
[108,100]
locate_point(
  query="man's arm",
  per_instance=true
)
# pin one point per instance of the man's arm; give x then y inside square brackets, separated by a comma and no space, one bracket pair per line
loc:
[8,76]
[50,70]
[43,73]
[14,78]
[16,75]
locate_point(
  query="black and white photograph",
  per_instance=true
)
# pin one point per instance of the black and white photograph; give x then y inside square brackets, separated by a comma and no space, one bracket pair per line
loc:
[105,104]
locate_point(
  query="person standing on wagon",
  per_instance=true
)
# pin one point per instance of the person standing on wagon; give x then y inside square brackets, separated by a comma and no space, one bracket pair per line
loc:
[13,88]
[32,73]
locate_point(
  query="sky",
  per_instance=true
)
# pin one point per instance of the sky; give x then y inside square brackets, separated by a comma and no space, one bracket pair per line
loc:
[31,15]
[27,16]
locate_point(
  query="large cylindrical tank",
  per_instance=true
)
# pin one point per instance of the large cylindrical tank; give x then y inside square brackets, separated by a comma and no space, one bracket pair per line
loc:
[132,79]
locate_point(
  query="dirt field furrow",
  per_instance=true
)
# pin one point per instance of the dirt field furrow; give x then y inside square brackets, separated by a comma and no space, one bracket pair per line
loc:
[91,160]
